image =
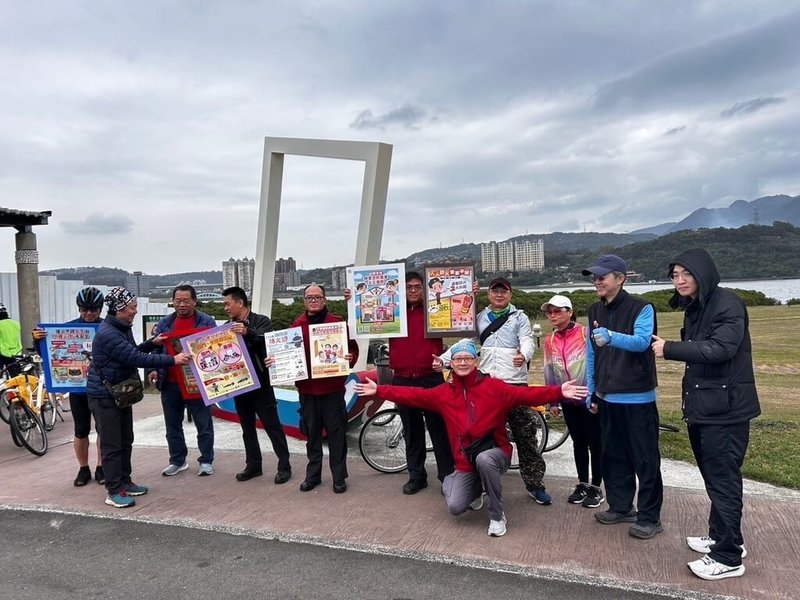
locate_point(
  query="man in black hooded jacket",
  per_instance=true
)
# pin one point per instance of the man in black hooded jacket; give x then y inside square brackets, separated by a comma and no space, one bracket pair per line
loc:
[718,399]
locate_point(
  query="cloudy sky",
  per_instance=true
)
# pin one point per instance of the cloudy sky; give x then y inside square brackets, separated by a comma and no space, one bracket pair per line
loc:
[140,125]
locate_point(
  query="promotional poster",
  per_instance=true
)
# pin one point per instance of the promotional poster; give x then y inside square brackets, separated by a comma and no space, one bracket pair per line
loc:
[66,354]
[328,345]
[220,363]
[377,306]
[286,347]
[450,302]
[190,390]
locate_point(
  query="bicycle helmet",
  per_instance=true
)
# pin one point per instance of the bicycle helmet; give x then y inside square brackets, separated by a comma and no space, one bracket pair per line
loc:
[89,298]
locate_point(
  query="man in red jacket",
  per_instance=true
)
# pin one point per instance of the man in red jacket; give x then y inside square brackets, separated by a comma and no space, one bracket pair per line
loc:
[474,407]
[411,361]
[322,404]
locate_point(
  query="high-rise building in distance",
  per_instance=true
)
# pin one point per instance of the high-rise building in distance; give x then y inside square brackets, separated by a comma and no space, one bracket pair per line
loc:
[512,256]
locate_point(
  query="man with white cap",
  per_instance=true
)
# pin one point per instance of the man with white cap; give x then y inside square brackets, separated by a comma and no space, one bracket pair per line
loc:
[565,359]
[474,408]
[621,373]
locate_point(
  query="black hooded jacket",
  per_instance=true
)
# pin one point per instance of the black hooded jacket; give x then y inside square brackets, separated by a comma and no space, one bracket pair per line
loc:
[718,384]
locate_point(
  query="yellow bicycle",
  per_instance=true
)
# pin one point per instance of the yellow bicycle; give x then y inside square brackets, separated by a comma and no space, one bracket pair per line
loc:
[26,405]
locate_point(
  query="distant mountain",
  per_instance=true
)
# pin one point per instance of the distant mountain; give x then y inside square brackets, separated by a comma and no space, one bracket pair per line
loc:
[112,276]
[762,211]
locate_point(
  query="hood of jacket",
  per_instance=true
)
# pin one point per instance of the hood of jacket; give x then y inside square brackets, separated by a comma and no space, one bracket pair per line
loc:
[700,264]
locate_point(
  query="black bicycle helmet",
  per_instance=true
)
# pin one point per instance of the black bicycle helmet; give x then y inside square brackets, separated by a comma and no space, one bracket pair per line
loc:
[89,298]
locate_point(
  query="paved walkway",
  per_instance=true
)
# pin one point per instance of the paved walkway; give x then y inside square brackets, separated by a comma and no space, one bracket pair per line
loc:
[561,541]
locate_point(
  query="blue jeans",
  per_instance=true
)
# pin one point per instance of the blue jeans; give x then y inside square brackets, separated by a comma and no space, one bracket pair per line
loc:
[174,406]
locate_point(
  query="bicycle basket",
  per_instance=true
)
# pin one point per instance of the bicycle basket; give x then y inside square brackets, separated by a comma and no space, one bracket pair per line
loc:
[385,373]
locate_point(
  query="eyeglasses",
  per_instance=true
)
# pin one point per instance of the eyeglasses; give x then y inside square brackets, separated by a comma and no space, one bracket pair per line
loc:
[314,298]
[500,291]
[598,277]
[685,275]
[462,359]
[414,288]
[182,301]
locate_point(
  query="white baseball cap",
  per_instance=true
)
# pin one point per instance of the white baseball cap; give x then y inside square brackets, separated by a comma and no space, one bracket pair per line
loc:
[558,301]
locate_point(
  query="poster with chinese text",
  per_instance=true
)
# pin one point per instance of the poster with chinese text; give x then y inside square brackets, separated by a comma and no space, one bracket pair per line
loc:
[377,306]
[286,346]
[327,347]
[66,354]
[221,364]
[450,303]
[186,379]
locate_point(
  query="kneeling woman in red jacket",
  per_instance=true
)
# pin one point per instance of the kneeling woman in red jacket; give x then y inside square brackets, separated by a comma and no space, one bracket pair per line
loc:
[474,407]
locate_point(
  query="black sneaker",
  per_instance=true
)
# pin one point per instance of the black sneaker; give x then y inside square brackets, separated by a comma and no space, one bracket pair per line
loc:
[99,475]
[577,496]
[609,517]
[594,497]
[84,476]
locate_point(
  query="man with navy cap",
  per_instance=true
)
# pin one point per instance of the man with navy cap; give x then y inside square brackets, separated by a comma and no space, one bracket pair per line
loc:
[621,376]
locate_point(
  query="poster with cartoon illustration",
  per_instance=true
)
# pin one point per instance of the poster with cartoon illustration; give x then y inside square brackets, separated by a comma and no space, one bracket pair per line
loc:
[220,363]
[190,390]
[377,306]
[450,303]
[327,347]
[66,352]
[286,346]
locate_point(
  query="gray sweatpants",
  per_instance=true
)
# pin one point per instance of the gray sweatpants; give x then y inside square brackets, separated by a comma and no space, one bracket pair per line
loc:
[461,488]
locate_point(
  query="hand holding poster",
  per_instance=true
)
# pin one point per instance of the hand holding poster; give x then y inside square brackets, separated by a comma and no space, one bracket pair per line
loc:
[328,346]
[377,305]
[66,351]
[286,347]
[220,363]
[450,302]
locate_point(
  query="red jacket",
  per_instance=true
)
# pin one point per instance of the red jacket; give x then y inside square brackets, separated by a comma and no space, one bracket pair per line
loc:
[327,385]
[472,407]
[412,356]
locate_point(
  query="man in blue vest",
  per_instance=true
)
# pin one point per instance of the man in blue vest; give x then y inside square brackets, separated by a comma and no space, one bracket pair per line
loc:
[621,376]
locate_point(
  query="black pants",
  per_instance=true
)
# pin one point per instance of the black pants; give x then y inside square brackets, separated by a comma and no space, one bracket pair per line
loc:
[115,427]
[414,422]
[328,412]
[719,451]
[261,402]
[584,429]
[629,435]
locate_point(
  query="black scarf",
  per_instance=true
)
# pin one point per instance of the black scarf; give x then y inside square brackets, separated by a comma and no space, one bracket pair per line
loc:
[319,317]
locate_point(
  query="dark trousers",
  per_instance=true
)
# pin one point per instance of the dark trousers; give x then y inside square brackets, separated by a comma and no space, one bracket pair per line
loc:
[328,412]
[174,405]
[261,403]
[116,440]
[629,435]
[584,429]
[719,451]
[532,467]
[414,422]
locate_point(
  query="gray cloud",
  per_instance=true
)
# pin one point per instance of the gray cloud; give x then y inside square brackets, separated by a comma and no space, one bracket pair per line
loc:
[750,106]
[406,116]
[104,224]
[674,130]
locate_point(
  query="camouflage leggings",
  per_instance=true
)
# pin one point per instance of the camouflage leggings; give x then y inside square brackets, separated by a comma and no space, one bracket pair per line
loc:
[531,463]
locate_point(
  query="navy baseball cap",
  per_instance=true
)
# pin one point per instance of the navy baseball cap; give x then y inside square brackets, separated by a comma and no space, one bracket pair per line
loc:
[606,264]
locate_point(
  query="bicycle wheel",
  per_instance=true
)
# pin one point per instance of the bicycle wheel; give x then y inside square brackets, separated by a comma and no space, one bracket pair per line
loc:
[14,437]
[5,403]
[557,432]
[28,428]
[541,431]
[381,442]
[48,413]
[514,465]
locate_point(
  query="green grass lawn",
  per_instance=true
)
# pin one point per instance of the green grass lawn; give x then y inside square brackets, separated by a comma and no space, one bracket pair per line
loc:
[774,452]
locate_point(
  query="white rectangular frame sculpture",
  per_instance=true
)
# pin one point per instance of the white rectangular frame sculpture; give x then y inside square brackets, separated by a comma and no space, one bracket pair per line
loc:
[377,157]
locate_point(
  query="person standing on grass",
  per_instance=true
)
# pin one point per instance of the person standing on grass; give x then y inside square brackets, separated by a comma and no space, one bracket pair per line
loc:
[565,359]
[719,400]
[621,375]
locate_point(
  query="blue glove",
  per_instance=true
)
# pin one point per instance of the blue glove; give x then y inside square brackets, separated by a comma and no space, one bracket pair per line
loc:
[601,336]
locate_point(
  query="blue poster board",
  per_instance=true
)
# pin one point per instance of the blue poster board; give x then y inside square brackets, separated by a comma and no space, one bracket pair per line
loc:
[66,355]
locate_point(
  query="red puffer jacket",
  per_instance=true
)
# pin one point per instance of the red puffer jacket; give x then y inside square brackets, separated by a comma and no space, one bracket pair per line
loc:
[472,407]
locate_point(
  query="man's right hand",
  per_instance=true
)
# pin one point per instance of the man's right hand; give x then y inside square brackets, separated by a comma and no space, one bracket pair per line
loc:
[39,333]
[347,294]
[182,359]
[438,364]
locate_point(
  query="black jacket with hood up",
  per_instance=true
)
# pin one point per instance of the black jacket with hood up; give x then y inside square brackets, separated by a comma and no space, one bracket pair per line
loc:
[718,384]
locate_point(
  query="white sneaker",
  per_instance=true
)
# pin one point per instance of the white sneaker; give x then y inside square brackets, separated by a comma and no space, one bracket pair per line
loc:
[708,568]
[703,544]
[477,504]
[174,469]
[497,528]
[205,469]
